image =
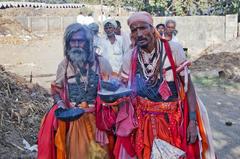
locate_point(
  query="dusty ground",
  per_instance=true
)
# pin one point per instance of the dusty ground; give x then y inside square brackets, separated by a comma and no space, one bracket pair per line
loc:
[40,55]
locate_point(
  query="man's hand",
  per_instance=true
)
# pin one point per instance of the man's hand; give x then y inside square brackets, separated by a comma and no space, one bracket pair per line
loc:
[192,132]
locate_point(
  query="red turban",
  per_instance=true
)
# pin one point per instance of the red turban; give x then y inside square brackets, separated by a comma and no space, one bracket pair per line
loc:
[140,17]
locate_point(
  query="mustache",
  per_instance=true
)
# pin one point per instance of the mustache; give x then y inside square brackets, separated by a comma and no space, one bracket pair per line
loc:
[141,38]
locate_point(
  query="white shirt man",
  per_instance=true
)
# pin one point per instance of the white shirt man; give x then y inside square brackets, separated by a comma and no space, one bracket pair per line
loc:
[113,47]
[81,18]
[88,19]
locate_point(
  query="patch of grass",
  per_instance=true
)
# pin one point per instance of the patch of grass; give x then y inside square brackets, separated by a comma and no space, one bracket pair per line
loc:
[216,82]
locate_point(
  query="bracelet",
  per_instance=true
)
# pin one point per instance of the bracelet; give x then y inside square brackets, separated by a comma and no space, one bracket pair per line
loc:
[192,116]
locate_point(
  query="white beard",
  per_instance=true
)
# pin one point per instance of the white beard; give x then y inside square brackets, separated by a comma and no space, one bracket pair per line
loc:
[78,57]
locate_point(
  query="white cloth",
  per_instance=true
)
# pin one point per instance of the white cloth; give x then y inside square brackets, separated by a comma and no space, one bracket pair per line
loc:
[88,20]
[96,41]
[210,153]
[111,21]
[81,19]
[114,52]
[101,19]
[126,38]
[174,39]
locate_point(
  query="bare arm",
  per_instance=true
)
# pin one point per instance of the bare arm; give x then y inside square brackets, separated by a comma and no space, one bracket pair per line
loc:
[192,103]
[191,95]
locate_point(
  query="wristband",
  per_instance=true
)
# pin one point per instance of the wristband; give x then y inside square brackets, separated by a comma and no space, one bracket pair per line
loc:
[192,116]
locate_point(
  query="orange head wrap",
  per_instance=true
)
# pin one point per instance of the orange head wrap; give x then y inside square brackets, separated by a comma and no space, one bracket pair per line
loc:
[142,17]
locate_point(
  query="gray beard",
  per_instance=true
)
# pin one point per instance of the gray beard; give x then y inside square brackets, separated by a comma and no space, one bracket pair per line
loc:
[78,57]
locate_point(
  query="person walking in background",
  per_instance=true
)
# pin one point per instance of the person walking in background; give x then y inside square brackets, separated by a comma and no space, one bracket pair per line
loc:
[81,18]
[113,46]
[125,35]
[161,29]
[94,27]
[89,19]
[101,18]
[170,31]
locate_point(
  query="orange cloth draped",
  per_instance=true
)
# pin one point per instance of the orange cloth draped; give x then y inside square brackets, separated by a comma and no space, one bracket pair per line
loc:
[167,117]
[60,139]
[79,136]
[202,133]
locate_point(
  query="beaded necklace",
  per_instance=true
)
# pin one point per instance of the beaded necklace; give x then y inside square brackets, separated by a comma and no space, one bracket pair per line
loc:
[150,66]
[82,78]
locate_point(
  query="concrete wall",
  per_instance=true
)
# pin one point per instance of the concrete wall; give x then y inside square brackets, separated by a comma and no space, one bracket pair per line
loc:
[199,32]
[238,29]
[45,24]
[194,32]
[231,27]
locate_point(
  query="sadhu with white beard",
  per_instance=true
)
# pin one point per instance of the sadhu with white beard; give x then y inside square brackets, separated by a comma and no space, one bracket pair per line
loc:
[75,87]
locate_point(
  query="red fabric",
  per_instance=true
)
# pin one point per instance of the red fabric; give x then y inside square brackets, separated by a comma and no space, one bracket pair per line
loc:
[133,69]
[105,116]
[46,142]
[192,150]
[170,57]
[126,143]
[125,125]
[147,111]
[46,136]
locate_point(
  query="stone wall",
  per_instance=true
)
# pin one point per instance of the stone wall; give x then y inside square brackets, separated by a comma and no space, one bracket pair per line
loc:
[194,32]
[199,32]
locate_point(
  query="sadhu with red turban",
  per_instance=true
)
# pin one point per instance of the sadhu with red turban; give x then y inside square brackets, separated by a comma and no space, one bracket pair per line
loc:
[164,101]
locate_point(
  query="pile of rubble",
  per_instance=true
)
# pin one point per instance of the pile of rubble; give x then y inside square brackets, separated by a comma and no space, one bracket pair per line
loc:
[225,65]
[12,32]
[22,107]
[222,60]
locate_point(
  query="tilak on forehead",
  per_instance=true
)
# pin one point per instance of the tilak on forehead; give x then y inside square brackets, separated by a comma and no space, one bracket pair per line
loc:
[140,17]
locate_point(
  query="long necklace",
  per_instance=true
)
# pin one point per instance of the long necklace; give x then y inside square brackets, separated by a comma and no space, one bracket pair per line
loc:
[83,78]
[149,69]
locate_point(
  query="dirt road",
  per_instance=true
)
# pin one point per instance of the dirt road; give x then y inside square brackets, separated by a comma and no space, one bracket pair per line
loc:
[41,57]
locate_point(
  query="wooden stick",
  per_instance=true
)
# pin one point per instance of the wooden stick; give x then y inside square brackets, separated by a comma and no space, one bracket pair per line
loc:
[20,148]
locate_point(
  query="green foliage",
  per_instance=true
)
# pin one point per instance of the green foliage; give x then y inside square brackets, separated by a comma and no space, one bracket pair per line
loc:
[215,82]
[224,7]
[165,7]
[187,7]
[138,4]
